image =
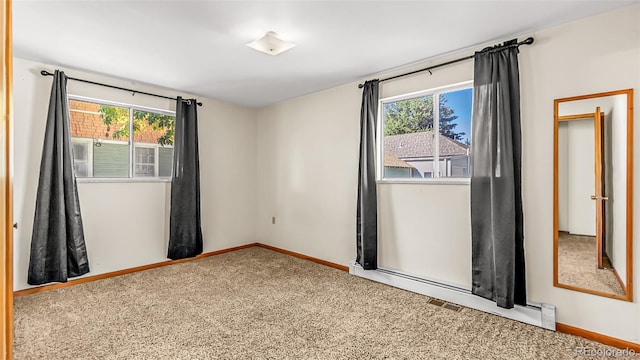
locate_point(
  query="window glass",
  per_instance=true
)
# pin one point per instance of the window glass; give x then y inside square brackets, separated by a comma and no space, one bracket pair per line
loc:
[455,131]
[427,136]
[104,132]
[153,141]
[110,160]
[103,144]
[165,161]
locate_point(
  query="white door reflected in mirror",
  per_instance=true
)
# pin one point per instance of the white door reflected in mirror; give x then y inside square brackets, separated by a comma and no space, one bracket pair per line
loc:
[592,224]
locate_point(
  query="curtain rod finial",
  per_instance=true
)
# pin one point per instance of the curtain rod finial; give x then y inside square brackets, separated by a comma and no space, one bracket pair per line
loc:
[528,41]
[360,86]
[45,73]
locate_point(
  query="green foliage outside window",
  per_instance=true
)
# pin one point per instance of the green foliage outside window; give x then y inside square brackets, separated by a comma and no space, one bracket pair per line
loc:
[117,118]
[416,115]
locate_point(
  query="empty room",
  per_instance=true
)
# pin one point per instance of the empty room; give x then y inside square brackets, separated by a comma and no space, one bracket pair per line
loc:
[320,179]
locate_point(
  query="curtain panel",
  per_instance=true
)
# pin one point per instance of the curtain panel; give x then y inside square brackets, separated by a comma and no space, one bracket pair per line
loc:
[185,224]
[367,212]
[58,249]
[498,268]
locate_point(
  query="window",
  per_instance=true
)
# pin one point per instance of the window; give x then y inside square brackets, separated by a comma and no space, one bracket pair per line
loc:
[103,147]
[427,135]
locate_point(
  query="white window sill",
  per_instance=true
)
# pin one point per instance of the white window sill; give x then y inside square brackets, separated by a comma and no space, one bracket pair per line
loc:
[440,181]
[124,180]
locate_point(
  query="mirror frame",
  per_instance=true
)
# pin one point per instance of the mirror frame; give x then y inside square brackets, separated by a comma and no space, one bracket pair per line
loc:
[628,288]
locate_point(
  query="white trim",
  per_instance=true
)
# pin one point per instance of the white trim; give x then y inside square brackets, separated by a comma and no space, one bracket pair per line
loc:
[132,134]
[149,179]
[379,142]
[415,94]
[435,172]
[542,315]
[433,181]
[103,141]
[120,104]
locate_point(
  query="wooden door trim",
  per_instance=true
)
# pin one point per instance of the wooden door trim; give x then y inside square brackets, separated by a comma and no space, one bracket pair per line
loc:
[575,117]
[629,284]
[7,73]
[597,145]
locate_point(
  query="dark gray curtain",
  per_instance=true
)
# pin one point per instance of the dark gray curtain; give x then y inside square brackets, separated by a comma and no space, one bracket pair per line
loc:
[367,214]
[498,270]
[58,249]
[185,232]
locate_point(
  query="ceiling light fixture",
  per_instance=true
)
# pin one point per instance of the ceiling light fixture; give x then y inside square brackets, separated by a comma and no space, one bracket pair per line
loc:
[271,44]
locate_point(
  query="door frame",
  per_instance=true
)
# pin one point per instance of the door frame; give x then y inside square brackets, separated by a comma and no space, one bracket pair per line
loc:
[6,223]
[598,119]
[597,193]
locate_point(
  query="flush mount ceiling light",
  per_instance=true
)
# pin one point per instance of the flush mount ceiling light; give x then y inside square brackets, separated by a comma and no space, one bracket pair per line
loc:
[271,44]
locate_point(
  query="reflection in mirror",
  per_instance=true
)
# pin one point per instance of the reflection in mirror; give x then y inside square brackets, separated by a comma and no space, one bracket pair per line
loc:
[592,184]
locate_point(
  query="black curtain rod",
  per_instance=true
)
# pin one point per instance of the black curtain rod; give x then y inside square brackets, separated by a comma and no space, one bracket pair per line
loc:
[507,44]
[46,73]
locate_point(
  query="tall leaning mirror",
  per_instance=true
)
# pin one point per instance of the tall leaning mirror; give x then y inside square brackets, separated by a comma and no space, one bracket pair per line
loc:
[593,159]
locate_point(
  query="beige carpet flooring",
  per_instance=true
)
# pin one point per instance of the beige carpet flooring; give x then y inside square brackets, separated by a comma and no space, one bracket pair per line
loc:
[577,265]
[260,304]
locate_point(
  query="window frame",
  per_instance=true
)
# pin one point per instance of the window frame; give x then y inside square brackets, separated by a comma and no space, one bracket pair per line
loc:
[130,143]
[380,179]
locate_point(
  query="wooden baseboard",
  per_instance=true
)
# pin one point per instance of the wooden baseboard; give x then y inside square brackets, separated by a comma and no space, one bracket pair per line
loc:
[603,339]
[124,271]
[622,284]
[306,257]
[86,279]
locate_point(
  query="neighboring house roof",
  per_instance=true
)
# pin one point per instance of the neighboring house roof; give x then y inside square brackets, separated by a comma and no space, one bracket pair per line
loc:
[85,122]
[394,162]
[420,144]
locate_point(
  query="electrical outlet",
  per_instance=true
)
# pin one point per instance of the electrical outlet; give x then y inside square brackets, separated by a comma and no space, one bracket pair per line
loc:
[273,219]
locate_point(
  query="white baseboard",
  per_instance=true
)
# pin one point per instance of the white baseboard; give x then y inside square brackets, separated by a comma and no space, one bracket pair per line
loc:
[542,315]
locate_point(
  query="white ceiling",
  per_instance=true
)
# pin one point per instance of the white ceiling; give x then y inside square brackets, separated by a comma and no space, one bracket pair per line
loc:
[199,47]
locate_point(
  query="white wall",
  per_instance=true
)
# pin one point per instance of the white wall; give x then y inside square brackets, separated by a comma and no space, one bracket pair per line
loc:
[563,178]
[306,156]
[126,224]
[617,205]
[317,137]
[307,161]
[419,235]
[562,64]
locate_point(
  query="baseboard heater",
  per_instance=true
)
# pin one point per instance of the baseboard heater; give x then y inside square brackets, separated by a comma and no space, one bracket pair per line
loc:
[542,315]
